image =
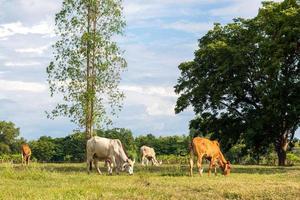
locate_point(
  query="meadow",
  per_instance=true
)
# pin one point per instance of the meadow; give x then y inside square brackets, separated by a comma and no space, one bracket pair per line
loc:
[70,181]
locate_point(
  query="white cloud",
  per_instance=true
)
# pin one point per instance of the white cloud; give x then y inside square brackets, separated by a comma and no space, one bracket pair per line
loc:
[150,90]
[158,100]
[21,64]
[10,29]
[191,27]
[7,85]
[35,50]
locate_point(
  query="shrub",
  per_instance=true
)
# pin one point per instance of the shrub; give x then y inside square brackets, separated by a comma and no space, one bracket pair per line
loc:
[292,159]
[14,158]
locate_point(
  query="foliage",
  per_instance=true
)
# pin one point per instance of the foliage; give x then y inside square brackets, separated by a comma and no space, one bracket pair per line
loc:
[8,135]
[15,158]
[292,159]
[9,140]
[244,80]
[74,147]
[43,149]
[173,159]
[165,145]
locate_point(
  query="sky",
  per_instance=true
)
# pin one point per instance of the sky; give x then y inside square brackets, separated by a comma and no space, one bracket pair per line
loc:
[160,34]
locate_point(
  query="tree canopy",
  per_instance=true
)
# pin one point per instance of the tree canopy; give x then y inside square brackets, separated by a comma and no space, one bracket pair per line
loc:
[244,80]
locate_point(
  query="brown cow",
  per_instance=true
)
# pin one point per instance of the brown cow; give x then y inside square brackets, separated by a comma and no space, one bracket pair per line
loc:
[202,147]
[26,153]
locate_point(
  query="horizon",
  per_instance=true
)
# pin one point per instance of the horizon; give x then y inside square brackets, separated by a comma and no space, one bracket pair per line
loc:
[158,37]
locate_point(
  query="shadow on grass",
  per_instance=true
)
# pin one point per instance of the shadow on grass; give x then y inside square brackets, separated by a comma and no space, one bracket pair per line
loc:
[164,170]
[182,170]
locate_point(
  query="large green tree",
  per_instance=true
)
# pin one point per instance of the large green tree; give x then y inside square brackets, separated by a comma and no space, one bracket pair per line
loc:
[8,137]
[87,66]
[247,74]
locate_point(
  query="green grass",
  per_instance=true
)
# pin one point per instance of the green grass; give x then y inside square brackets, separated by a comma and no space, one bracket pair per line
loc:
[70,181]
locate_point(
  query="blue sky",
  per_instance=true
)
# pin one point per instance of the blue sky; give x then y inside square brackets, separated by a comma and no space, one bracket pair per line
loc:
[160,34]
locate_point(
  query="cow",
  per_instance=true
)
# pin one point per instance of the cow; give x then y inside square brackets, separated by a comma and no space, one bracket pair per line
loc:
[148,153]
[109,150]
[210,150]
[26,153]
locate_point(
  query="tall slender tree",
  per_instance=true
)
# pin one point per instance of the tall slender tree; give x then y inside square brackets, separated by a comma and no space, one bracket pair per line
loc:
[87,62]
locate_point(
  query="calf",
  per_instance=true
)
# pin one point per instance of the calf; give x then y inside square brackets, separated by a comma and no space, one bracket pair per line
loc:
[149,154]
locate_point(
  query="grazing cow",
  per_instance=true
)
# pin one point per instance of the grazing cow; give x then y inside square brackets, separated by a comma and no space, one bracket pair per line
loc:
[109,150]
[202,147]
[148,153]
[26,153]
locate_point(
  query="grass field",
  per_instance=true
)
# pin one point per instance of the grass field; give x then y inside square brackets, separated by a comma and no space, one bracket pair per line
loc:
[70,181]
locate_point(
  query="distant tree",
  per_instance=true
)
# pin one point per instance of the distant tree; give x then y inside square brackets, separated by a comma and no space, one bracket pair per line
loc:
[15,147]
[247,74]
[43,149]
[74,147]
[87,65]
[8,134]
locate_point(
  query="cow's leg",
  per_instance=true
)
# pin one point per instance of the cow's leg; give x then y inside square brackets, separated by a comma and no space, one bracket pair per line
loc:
[109,168]
[27,159]
[199,164]
[211,164]
[156,162]
[22,159]
[97,167]
[143,160]
[152,161]
[89,164]
[115,165]
[191,166]
[215,166]
[147,161]
[191,162]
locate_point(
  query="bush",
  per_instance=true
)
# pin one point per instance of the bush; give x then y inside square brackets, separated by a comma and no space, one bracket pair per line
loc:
[14,158]
[292,159]
[173,159]
[270,159]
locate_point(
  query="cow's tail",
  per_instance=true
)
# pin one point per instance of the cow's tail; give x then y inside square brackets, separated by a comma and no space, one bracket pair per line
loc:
[190,150]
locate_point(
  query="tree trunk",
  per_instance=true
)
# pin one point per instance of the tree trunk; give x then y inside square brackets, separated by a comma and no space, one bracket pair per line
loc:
[281,148]
[88,84]
[281,157]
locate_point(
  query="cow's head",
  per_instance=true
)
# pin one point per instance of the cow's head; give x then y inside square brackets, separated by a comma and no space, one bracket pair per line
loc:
[128,166]
[227,168]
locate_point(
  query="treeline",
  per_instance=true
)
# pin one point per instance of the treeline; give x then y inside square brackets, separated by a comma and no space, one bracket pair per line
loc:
[72,148]
[169,149]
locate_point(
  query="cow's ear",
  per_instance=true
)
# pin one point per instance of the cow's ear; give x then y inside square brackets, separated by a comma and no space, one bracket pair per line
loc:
[133,161]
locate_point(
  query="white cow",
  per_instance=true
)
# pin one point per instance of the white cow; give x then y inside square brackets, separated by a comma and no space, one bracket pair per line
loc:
[110,151]
[148,153]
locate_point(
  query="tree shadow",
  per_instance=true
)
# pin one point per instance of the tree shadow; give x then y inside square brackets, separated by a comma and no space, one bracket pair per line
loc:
[163,170]
[183,170]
